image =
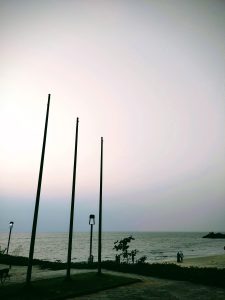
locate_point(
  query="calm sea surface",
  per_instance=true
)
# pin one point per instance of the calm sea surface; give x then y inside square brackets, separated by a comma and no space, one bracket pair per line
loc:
[157,246]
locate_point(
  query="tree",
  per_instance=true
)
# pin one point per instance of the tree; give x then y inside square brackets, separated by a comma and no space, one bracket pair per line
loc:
[123,246]
[142,259]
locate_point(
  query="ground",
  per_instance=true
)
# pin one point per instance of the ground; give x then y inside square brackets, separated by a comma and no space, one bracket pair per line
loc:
[149,288]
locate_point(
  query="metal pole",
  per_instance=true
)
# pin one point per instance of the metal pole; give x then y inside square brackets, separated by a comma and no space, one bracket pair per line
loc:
[100,215]
[9,239]
[90,257]
[33,234]
[72,206]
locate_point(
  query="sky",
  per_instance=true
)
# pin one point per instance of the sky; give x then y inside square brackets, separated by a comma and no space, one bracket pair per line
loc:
[148,77]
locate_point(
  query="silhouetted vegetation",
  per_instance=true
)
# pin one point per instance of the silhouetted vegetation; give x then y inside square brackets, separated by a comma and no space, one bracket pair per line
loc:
[122,247]
[43,264]
[142,259]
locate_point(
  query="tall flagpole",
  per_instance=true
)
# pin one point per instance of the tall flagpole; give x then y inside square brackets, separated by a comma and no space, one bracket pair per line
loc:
[100,214]
[33,234]
[72,206]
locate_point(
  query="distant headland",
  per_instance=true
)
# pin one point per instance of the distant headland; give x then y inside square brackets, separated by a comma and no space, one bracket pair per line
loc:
[212,235]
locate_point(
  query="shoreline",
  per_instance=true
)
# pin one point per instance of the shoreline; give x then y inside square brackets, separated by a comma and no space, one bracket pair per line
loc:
[211,261]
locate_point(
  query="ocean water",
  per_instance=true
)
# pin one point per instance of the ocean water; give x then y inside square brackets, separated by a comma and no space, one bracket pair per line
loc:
[157,246]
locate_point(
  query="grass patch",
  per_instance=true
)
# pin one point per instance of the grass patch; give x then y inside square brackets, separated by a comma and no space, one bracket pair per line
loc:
[59,288]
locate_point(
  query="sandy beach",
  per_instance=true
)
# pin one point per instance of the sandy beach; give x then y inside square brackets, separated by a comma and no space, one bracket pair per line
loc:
[213,261]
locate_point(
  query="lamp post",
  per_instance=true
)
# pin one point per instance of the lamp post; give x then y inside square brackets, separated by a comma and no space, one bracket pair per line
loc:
[91,222]
[100,214]
[10,230]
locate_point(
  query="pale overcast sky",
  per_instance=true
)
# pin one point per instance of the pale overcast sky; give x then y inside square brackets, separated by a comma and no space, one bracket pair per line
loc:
[148,76]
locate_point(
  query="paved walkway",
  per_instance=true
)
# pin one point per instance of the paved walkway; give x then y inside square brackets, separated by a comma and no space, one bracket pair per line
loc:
[18,273]
[154,288]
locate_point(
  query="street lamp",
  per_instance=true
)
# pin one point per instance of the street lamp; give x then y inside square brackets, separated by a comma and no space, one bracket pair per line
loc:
[91,222]
[100,214]
[10,230]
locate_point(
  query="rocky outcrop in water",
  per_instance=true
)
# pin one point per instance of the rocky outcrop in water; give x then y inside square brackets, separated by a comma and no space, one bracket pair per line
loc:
[213,235]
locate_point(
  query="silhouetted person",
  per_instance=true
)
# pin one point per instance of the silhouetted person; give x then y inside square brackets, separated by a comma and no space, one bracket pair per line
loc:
[178,257]
[117,259]
[181,256]
[132,257]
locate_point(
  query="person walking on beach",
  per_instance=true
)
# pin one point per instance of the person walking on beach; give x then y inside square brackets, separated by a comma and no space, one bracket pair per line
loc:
[181,256]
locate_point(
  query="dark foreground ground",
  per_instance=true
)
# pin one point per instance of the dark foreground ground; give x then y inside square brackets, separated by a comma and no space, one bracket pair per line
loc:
[155,288]
[188,282]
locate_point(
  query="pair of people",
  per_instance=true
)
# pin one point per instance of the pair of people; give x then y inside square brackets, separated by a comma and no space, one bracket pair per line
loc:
[180,256]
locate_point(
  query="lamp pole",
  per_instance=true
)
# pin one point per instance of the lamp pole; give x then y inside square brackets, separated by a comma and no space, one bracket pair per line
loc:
[33,234]
[100,214]
[72,206]
[10,230]
[91,222]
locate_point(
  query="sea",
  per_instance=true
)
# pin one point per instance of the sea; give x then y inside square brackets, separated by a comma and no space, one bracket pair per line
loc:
[157,246]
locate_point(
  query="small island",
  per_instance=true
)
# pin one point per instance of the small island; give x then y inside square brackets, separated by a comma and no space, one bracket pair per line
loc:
[212,235]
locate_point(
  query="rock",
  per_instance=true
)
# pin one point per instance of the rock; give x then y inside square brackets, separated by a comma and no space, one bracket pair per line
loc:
[213,235]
